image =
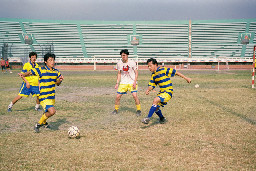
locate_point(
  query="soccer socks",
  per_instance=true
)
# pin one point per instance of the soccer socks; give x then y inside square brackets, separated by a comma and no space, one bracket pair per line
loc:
[37,106]
[138,107]
[116,107]
[10,105]
[152,110]
[159,113]
[43,119]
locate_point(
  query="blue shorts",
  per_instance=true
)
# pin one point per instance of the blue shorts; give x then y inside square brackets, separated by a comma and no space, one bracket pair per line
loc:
[25,92]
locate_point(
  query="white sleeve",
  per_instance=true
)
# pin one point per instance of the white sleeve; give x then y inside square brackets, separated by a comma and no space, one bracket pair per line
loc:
[118,66]
[134,66]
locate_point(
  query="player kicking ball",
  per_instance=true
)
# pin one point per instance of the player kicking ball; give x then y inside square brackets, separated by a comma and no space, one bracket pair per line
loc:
[48,78]
[160,76]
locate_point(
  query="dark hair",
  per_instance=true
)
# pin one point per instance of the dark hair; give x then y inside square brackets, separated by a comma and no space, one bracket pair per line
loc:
[124,51]
[48,55]
[32,54]
[153,61]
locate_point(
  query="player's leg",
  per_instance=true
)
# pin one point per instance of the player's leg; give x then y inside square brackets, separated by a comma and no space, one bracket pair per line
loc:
[122,89]
[17,98]
[37,107]
[137,103]
[117,103]
[43,120]
[35,92]
[152,110]
[24,92]
[160,115]
[161,99]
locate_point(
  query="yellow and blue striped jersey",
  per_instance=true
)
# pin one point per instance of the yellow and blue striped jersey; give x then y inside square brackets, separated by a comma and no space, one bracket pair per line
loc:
[47,80]
[161,77]
[33,79]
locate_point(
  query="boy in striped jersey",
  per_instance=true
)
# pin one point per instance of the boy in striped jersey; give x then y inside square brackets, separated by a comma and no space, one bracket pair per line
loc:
[160,76]
[48,77]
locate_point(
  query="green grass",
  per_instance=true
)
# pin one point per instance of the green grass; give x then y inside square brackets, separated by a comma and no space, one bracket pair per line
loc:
[212,127]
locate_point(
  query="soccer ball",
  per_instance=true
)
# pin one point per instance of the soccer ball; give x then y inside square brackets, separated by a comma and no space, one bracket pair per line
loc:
[197,86]
[73,132]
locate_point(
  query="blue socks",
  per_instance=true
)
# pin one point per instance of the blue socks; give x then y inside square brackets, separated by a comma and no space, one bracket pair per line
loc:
[159,113]
[152,110]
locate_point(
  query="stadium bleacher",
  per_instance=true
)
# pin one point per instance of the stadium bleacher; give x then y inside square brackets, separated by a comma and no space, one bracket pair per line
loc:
[82,40]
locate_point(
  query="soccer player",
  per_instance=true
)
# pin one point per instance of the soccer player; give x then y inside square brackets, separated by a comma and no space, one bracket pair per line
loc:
[48,78]
[160,76]
[3,65]
[127,77]
[30,84]
[7,65]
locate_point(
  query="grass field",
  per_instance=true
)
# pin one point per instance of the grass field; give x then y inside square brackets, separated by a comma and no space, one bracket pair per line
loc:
[212,127]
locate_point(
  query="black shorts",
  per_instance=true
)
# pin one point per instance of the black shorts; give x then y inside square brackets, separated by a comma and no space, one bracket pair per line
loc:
[7,66]
[3,67]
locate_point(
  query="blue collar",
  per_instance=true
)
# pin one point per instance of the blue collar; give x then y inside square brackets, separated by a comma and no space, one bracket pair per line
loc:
[33,66]
[49,68]
[156,70]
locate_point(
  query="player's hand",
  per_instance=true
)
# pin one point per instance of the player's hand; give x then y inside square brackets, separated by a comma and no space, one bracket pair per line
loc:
[147,92]
[27,85]
[134,85]
[61,78]
[20,75]
[116,86]
[188,80]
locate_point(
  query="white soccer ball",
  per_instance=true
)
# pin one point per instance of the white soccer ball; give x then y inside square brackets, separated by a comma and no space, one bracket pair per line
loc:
[73,132]
[197,86]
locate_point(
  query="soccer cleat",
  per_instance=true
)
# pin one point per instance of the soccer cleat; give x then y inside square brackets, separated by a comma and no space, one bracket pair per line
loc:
[115,112]
[38,109]
[36,128]
[145,120]
[46,125]
[138,113]
[9,109]
[162,120]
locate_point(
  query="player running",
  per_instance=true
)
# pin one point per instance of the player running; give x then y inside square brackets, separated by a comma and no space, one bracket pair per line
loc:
[160,76]
[127,77]
[30,84]
[48,77]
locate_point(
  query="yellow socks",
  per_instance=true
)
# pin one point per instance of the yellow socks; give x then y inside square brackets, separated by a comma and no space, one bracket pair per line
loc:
[116,107]
[138,107]
[43,120]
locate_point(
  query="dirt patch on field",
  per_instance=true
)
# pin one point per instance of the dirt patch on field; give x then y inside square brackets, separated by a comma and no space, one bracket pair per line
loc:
[82,93]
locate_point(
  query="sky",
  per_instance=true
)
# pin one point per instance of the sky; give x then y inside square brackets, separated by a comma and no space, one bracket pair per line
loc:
[128,10]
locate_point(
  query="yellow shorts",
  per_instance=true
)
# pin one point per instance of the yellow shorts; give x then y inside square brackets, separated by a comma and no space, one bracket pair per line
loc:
[123,88]
[47,103]
[164,97]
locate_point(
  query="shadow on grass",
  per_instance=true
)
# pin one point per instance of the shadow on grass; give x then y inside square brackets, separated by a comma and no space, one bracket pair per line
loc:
[250,121]
[55,125]
[153,122]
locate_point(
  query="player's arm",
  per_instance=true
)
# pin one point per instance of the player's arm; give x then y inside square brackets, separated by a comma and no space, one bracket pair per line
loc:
[59,80]
[25,80]
[151,85]
[118,79]
[183,76]
[148,90]
[25,74]
[136,78]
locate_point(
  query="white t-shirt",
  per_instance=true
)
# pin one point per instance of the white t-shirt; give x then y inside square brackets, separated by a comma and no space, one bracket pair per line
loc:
[127,71]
